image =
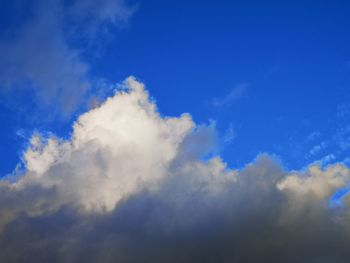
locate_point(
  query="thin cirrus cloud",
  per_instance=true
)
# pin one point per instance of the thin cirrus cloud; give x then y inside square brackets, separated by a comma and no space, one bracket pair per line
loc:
[40,56]
[131,186]
[235,94]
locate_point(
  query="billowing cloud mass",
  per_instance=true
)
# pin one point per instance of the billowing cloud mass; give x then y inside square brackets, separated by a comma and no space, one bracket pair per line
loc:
[38,51]
[131,185]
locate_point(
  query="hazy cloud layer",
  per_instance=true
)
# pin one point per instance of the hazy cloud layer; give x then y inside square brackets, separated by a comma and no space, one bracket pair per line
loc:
[38,54]
[132,186]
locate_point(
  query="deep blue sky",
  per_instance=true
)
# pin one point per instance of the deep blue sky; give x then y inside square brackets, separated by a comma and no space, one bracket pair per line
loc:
[286,65]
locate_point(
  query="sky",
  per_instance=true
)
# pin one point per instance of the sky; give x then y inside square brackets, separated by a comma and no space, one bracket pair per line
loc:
[289,61]
[120,118]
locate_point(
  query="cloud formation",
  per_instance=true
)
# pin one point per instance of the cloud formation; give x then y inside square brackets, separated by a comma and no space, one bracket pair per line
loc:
[131,185]
[38,52]
[234,94]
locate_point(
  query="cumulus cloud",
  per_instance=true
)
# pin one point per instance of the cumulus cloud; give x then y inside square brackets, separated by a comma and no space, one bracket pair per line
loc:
[38,54]
[131,185]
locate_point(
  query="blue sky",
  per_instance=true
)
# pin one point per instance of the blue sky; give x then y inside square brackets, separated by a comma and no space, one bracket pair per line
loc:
[174,131]
[272,75]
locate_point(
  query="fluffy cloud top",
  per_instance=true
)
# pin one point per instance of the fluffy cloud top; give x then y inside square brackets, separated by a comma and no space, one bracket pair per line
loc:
[115,150]
[131,185]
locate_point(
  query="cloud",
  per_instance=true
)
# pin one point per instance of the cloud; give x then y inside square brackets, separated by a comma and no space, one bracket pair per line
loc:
[130,185]
[315,150]
[229,135]
[313,136]
[40,55]
[235,94]
[95,13]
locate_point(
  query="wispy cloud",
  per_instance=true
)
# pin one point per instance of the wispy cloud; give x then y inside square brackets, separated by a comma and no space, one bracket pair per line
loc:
[40,55]
[235,94]
[313,136]
[317,149]
[229,135]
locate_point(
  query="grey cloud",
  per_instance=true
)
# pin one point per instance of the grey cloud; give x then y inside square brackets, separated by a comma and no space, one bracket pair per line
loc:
[131,186]
[39,56]
[184,223]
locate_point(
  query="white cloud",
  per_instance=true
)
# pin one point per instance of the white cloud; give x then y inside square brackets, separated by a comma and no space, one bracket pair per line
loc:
[130,186]
[317,149]
[314,183]
[230,134]
[116,149]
